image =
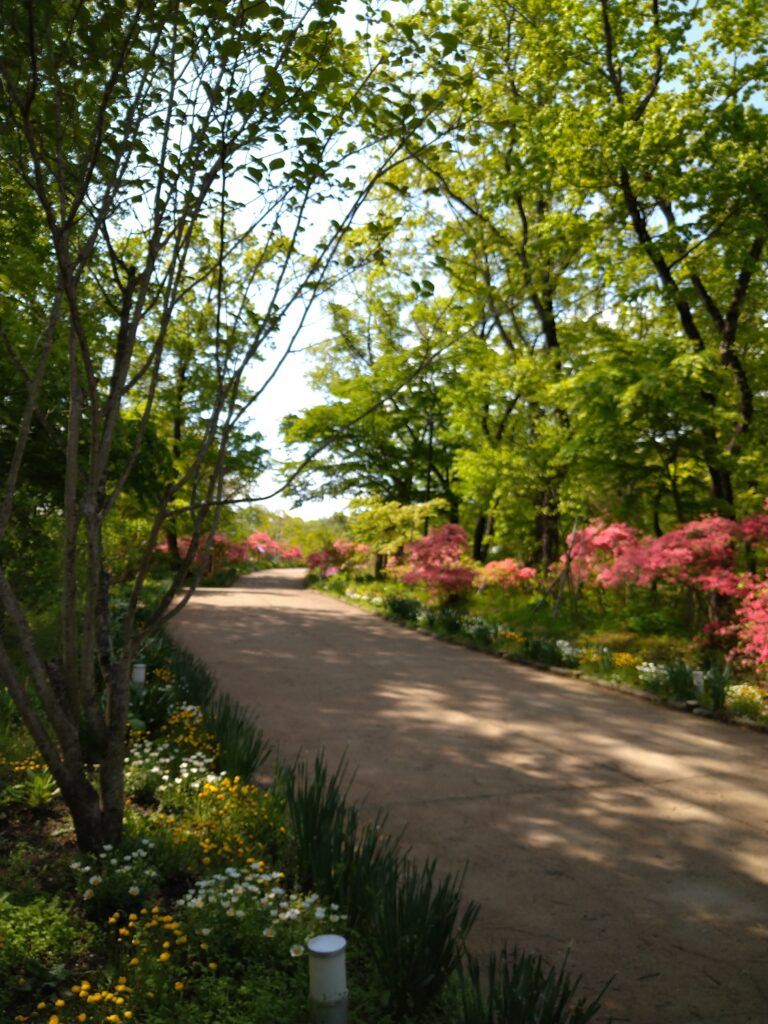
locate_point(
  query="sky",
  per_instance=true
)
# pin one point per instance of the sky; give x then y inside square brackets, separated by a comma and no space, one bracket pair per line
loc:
[290,392]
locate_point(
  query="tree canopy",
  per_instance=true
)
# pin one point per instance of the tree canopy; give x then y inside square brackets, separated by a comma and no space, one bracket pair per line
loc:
[586,186]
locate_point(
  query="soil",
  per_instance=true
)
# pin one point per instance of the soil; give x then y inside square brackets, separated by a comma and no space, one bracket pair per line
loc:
[629,835]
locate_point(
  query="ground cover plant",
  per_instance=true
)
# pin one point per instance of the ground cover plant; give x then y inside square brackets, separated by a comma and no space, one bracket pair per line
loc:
[205,906]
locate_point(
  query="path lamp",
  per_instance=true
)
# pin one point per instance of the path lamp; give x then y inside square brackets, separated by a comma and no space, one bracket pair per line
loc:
[328,979]
[138,673]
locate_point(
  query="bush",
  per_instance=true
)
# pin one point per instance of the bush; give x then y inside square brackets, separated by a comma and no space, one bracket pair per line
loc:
[404,609]
[551,652]
[336,856]
[40,941]
[242,746]
[416,935]
[516,988]
[747,701]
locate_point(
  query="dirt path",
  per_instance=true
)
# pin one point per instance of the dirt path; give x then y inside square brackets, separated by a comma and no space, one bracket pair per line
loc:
[634,835]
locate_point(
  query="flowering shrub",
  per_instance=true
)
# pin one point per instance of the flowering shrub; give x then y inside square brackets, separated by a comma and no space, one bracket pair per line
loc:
[747,701]
[701,555]
[340,556]
[262,545]
[440,561]
[751,625]
[698,554]
[253,899]
[217,551]
[506,574]
[116,878]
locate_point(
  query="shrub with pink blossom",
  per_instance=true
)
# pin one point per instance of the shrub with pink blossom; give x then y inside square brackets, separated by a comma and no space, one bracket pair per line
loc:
[506,573]
[441,562]
[699,554]
[339,556]
[263,546]
[750,628]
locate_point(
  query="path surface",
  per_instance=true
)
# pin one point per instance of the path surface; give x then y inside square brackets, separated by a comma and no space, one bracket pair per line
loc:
[633,834]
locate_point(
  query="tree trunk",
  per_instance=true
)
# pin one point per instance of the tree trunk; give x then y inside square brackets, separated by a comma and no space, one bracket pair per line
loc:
[481,537]
[547,532]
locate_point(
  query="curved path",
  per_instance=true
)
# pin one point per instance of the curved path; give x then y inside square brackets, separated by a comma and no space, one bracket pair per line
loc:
[633,835]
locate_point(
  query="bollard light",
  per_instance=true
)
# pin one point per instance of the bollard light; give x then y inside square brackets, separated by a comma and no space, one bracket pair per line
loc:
[698,681]
[328,979]
[139,673]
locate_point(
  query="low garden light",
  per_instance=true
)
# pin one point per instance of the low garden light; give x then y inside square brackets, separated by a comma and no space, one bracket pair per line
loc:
[138,673]
[328,979]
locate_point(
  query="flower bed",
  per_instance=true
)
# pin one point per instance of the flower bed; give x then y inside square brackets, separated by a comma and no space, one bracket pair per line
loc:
[204,910]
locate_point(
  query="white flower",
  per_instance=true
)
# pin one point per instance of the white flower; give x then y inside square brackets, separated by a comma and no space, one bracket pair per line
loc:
[296,950]
[134,890]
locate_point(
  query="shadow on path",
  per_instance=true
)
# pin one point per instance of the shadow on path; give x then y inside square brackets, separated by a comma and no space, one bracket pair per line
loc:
[636,836]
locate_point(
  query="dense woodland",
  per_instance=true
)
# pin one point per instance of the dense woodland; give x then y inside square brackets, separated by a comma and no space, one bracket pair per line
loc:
[563,310]
[544,264]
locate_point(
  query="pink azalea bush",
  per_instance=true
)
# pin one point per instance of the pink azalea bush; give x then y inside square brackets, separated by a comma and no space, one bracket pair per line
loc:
[339,556]
[262,545]
[441,562]
[750,628]
[224,552]
[507,574]
[702,555]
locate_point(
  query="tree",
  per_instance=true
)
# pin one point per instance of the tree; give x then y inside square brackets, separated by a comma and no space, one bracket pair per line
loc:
[590,172]
[381,431]
[131,129]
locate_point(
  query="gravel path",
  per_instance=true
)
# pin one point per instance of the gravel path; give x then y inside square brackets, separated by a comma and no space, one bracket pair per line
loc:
[590,820]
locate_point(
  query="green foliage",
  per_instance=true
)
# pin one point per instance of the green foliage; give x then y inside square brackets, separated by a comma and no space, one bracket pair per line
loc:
[192,682]
[37,789]
[40,943]
[243,748]
[747,701]
[680,681]
[517,988]
[417,933]
[446,620]
[387,526]
[336,854]
[405,609]
[550,652]
[717,680]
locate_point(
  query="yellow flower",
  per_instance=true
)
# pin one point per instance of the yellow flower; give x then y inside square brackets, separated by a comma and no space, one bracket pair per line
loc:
[623,659]
[53,1019]
[213,966]
[164,956]
[179,986]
